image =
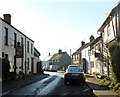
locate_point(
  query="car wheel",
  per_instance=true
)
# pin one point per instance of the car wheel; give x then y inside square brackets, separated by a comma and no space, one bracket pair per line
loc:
[84,83]
[65,82]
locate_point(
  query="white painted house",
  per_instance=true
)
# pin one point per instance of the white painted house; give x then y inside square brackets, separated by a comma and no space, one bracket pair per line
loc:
[11,37]
[85,57]
[110,32]
[94,55]
[46,61]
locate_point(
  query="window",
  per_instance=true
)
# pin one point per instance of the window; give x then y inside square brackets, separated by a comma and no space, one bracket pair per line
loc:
[97,65]
[3,55]
[6,55]
[85,53]
[28,64]
[6,36]
[77,56]
[108,30]
[28,46]
[57,60]
[21,40]
[92,63]
[31,48]
[15,39]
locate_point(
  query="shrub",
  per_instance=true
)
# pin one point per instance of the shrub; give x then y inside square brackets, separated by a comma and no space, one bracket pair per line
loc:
[102,81]
[116,87]
[107,82]
[114,50]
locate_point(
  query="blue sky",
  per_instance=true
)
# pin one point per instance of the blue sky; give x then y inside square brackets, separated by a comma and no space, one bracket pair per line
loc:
[57,25]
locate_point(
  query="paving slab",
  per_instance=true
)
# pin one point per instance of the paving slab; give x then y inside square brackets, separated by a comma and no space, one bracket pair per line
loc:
[98,89]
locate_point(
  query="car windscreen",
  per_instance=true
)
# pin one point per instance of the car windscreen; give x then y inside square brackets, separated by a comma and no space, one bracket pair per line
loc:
[75,70]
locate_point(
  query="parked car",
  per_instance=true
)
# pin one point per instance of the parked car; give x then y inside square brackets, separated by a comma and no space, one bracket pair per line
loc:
[74,74]
[72,66]
[53,68]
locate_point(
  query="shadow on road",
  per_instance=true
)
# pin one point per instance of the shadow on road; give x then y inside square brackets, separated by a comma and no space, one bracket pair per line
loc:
[97,86]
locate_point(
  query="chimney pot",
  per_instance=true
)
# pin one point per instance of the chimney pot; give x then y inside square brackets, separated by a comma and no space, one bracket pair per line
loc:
[7,18]
[82,43]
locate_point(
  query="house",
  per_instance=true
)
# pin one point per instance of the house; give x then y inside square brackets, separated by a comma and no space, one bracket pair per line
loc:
[62,59]
[95,63]
[110,32]
[16,46]
[80,56]
[85,58]
[46,61]
[36,66]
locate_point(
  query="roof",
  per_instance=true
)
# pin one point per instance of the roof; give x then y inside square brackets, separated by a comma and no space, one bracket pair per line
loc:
[16,29]
[112,13]
[93,42]
[81,48]
[47,58]
[56,56]
[36,52]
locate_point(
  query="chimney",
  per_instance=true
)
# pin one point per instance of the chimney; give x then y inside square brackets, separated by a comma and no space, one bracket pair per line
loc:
[82,43]
[49,54]
[7,18]
[91,38]
[59,51]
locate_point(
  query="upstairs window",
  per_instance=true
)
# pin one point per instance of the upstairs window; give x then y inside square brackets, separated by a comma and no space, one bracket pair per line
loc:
[6,36]
[108,30]
[15,40]
[28,46]
[21,40]
[31,48]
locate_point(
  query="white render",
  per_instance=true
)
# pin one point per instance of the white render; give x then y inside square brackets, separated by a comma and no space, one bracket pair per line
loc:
[0,40]
[107,38]
[45,61]
[85,54]
[10,50]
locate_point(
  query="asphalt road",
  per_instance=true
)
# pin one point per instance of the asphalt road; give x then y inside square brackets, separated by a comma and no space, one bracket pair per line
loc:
[53,86]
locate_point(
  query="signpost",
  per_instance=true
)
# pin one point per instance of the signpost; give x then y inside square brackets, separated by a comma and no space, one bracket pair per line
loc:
[19,51]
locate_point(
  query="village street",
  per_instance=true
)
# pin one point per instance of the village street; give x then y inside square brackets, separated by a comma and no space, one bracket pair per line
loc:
[52,85]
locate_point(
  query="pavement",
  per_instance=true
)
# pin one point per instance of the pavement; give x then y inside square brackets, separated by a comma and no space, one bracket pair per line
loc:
[98,89]
[11,85]
[93,84]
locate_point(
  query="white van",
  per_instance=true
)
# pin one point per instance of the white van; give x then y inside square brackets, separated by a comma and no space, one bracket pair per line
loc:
[53,68]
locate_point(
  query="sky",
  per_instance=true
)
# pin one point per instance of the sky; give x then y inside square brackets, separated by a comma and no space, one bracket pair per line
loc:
[57,24]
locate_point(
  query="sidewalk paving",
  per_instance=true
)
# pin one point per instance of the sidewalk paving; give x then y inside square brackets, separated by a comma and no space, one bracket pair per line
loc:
[98,89]
[12,85]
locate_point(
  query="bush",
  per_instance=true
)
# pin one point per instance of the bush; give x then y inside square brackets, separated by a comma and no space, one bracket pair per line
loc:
[116,87]
[101,76]
[114,50]
[102,81]
[107,82]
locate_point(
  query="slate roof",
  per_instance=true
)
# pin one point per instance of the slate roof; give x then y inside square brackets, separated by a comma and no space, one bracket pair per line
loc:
[81,48]
[47,58]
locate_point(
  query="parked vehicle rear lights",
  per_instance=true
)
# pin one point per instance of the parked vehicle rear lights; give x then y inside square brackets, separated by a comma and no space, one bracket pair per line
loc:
[82,74]
[67,74]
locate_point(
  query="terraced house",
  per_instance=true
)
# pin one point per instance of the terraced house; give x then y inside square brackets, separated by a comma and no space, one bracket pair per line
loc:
[17,47]
[110,33]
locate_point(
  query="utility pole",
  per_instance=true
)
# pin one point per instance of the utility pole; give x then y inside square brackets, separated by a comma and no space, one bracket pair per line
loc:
[70,56]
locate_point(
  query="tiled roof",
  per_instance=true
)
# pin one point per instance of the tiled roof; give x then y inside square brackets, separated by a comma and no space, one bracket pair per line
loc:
[81,48]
